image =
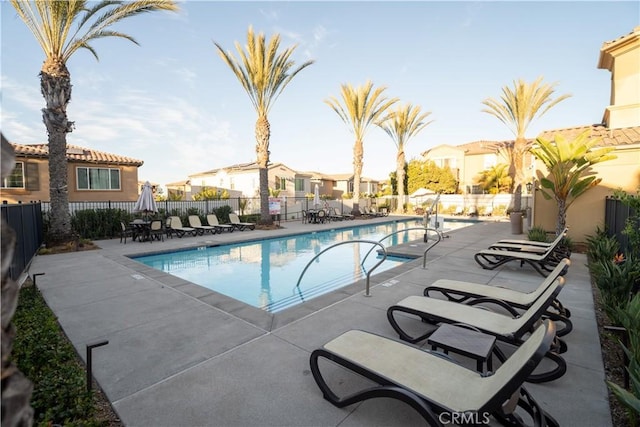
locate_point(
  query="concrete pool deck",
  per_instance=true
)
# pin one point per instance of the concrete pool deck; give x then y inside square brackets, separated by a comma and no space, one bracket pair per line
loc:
[182,355]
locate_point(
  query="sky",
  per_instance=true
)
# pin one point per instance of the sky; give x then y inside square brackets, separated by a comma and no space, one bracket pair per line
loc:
[174,104]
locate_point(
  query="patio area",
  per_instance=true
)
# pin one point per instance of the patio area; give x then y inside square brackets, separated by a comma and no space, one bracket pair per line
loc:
[183,355]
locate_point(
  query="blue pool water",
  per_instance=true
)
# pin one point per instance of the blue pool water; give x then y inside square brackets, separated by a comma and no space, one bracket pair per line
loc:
[264,273]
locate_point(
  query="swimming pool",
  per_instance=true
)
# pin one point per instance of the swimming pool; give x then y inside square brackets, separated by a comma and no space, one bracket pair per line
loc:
[264,273]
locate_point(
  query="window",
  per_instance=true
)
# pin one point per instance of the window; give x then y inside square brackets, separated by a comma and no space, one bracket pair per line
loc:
[98,179]
[281,183]
[490,160]
[299,184]
[16,179]
[445,162]
[232,184]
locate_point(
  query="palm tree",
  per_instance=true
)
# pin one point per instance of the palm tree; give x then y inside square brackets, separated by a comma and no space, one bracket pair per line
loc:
[362,106]
[51,23]
[517,108]
[263,73]
[401,125]
[569,167]
[495,178]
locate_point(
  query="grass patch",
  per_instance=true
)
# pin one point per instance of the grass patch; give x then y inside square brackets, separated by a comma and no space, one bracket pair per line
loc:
[44,355]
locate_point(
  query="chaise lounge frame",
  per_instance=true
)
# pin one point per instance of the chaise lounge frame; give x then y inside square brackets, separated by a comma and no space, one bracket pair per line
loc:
[510,330]
[433,384]
[543,263]
[476,293]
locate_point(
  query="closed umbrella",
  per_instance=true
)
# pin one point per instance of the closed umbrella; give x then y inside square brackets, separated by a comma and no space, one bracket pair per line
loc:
[316,197]
[146,203]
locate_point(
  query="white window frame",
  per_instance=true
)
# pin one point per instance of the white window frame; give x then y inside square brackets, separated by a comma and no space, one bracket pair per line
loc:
[87,169]
[5,180]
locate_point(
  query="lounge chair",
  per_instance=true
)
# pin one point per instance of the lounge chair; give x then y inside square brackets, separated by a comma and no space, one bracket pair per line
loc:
[543,262]
[533,245]
[212,220]
[509,299]
[333,215]
[194,222]
[178,229]
[459,210]
[235,221]
[434,385]
[511,330]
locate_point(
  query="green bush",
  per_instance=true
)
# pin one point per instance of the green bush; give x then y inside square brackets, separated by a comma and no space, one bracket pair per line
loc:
[600,246]
[99,223]
[538,234]
[223,213]
[629,317]
[616,281]
[45,356]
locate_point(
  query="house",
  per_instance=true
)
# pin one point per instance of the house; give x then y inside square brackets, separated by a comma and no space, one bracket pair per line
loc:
[92,175]
[243,180]
[466,161]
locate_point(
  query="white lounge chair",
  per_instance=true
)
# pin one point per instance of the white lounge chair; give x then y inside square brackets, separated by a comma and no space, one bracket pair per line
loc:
[212,220]
[194,222]
[178,229]
[235,221]
[433,384]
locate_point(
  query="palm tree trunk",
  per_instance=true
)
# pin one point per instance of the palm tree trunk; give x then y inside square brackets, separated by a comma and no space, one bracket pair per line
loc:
[358,153]
[400,176]
[562,216]
[55,84]
[263,134]
[519,149]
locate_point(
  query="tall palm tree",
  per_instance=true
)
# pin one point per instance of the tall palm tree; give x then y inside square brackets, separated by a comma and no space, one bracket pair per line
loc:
[51,23]
[263,72]
[403,123]
[517,108]
[362,106]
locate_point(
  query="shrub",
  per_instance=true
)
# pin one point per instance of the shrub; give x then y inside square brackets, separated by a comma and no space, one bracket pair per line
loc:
[616,281]
[600,246]
[44,355]
[538,234]
[629,316]
[223,213]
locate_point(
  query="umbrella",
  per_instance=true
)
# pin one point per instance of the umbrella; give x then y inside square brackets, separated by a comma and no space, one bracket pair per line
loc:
[316,197]
[146,203]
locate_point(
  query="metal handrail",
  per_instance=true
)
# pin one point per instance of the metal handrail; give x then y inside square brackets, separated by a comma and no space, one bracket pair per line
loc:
[424,256]
[384,252]
[399,231]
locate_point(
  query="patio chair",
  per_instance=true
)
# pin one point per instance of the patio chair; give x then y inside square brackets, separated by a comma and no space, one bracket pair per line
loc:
[235,221]
[459,210]
[156,231]
[508,329]
[125,232]
[194,222]
[543,262]
[305,220]
[178,229]
[509,299]
[533,245]
[212,220]
[433,384]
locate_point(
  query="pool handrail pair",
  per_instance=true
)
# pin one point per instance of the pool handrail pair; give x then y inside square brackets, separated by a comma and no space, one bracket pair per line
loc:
[424,255]
[373,242]
[384,252]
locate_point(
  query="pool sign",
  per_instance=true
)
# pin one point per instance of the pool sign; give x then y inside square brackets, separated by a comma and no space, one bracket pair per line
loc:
[274,206]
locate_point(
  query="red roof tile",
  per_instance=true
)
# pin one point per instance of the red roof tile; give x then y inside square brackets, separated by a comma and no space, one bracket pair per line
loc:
[75,153]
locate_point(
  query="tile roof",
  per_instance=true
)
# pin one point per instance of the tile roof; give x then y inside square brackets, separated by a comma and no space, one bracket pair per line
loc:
[75,153]
[609,137]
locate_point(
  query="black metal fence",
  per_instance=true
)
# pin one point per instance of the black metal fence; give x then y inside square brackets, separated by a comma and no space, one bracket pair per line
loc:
[26,221]
[615,220]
